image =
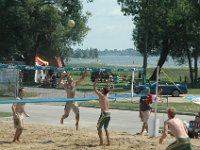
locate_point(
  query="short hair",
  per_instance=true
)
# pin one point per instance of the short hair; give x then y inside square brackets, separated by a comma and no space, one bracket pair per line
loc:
[20,90]
[106,90]
[171,112]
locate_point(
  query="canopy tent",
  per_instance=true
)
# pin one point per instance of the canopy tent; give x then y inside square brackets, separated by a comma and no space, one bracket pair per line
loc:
[195,99]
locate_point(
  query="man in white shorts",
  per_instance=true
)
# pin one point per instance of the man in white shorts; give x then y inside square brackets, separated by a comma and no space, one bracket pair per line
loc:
[70,88]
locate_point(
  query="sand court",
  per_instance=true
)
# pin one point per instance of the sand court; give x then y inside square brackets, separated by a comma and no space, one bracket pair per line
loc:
[43,137]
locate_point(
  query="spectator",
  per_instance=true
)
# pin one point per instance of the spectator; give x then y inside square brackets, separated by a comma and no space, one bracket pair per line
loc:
[145,110]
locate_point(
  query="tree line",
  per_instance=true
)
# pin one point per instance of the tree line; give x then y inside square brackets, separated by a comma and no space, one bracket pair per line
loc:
[30,28]
[94,53]
[86,53]
[166,28]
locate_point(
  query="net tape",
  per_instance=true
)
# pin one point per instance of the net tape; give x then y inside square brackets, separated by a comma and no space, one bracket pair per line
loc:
[60,69]
[67,99]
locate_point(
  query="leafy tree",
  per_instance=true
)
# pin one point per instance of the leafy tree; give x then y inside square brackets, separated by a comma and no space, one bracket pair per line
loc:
[87,53]
[145,15]
[30,27]
[186,47]
[167,28]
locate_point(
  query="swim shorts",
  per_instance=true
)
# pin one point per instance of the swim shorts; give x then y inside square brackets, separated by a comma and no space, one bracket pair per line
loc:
[69,106]
[145,115]
[180,144]
[104,120]
[18,121]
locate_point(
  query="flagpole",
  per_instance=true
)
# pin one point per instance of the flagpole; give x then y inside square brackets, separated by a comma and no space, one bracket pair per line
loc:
[156,121]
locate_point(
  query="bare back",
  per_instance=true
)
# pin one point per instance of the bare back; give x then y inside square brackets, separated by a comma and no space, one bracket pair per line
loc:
[104,103]
[177,127]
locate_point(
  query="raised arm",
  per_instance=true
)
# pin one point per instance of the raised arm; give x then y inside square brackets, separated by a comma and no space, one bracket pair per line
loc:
[82,78]
[95,87]
[61,78]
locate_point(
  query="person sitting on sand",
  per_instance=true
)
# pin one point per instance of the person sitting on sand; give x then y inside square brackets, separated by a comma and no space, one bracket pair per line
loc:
[18,112]
[70,88]
[104,118]
[177,129]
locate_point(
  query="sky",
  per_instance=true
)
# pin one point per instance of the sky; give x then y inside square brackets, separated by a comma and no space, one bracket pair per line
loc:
[109,28]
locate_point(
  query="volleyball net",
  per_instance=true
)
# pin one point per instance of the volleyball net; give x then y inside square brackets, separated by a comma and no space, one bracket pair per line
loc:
[40,83]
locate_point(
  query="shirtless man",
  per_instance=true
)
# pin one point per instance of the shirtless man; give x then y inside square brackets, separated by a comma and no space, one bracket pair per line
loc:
[18,115]
[177,129]
[70,88]
[104,118]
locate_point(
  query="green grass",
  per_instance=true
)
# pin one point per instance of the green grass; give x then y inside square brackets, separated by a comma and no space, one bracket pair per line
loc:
[193,91]
[168,75]
[173,75]
[5,114]
[188,108]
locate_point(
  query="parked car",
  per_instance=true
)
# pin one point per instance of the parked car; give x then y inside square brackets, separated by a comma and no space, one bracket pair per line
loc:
[173,90]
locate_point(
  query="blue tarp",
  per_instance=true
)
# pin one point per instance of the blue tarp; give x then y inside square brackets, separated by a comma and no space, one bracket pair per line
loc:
[194,99]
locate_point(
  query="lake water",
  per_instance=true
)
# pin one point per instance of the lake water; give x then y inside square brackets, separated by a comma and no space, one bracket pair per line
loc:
[124,61]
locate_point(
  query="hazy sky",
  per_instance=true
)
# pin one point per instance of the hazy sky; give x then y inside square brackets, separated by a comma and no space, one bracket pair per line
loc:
[109,28]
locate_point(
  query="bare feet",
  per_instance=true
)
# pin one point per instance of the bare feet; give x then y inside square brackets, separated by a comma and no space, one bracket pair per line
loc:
[108,144]
[100,144]
[61,120]
[16,140]
[76,126]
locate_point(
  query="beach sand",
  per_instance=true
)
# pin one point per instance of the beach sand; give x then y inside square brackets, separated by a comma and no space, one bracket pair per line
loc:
[47,137]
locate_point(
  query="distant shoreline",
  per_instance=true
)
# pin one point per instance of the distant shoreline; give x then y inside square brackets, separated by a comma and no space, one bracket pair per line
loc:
[135,61]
